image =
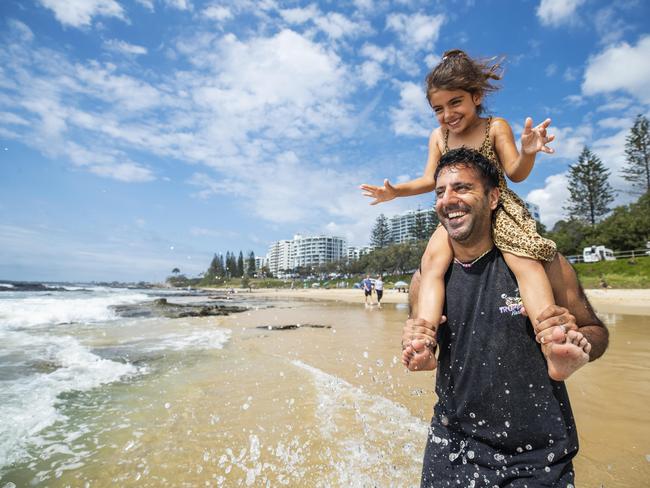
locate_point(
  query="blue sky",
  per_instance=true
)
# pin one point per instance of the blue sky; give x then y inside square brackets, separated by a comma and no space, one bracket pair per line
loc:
[140,136]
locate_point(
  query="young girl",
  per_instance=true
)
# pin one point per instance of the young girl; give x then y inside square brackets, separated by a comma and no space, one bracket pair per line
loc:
[455,90]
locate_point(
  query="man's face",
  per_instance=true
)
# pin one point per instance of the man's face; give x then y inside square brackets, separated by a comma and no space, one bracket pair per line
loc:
[462,205]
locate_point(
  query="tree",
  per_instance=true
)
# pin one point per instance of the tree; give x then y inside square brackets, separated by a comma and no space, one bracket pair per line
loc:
[240,264]
[637,152]
[420,227]
[432,222]
[380,235]
[176,271]
[250,264]
[590,192]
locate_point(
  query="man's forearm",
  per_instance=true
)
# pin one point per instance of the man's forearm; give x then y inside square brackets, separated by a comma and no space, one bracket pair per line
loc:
[598,337]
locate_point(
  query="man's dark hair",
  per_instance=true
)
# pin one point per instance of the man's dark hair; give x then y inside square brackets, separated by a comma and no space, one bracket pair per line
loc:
[470,158]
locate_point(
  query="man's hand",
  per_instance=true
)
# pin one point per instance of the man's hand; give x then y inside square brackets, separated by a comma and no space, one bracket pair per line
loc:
[379,193]
[419,329]
[551,317]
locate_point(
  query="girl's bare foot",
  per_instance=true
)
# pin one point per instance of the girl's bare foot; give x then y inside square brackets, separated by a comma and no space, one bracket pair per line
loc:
[419,356]
[566,353]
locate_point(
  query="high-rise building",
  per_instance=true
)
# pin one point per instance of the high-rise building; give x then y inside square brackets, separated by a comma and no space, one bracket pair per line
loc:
[305,251]
[402,226]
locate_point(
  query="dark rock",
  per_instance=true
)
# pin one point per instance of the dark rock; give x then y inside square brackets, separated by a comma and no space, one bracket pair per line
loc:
[162,308]
[292,326]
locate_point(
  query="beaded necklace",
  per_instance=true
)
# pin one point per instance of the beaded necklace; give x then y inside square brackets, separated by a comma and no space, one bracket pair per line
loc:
[469,265]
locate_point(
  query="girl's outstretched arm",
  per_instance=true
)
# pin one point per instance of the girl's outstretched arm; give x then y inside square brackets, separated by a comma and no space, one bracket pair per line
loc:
[423,184]
[518,165]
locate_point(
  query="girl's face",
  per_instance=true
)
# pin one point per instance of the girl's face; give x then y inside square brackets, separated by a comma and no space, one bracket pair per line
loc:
[455,110]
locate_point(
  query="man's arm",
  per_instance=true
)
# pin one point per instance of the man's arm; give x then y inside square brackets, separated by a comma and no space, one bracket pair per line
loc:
[572,309]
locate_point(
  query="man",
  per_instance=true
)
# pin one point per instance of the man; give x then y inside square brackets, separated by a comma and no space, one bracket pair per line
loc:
[500,420]
[366,284]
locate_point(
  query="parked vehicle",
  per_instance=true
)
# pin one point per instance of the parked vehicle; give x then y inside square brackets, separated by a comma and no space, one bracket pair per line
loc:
[593,254]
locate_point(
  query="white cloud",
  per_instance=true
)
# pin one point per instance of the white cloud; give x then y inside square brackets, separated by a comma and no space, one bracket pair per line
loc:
[79,13]
[370,73]
[300,15]
[124,47]
[570,74]
[418,31]
[557,12]
[569,141]
[412,117]
[609,26]
[179,4]
[148,4]
[620,67]
[337,26]
[217,12]
[615,104]
[551,198]
[551,69]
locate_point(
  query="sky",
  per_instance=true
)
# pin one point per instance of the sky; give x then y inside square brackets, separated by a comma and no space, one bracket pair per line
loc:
[140,136]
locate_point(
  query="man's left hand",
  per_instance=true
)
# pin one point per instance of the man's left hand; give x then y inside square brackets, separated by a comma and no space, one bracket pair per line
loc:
[553,316]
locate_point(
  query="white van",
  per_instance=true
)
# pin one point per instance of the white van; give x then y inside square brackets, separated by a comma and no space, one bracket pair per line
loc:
[593,254]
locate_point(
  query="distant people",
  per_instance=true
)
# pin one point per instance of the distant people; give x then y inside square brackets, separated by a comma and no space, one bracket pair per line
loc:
[379,289]
[366,285]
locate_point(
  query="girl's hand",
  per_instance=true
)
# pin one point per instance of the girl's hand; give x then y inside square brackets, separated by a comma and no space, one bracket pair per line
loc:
[534,139]
[379,193]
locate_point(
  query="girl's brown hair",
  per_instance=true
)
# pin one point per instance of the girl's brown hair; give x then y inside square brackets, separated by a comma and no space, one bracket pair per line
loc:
[457,71]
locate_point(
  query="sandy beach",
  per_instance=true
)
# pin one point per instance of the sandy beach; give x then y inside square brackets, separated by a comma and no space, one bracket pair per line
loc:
[630,302]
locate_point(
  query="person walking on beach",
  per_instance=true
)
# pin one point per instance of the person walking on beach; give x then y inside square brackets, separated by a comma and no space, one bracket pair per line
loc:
[366,284]
[500,419]
[379,289]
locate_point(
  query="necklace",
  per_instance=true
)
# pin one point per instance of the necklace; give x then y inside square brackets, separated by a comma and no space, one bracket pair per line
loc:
[469,265]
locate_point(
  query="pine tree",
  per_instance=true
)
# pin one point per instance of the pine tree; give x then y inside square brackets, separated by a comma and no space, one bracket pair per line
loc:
[637,152]
[240,264]
[250,265]
[590,192]
[380,235]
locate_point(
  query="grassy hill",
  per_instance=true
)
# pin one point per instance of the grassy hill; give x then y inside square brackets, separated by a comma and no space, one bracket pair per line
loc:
[621,273]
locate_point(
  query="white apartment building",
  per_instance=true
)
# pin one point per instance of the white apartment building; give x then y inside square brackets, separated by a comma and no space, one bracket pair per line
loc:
[305,251]
[260,262]
[280,256]
[355,253]
[402,225]
[534,210]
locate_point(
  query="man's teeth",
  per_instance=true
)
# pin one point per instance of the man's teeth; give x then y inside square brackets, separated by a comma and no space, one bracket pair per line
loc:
[453,215]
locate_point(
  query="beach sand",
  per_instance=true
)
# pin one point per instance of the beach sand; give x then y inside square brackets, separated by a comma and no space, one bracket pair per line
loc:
[630,302]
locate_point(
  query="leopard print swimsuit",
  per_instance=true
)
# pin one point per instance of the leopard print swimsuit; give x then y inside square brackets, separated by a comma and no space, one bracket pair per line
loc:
[514,229]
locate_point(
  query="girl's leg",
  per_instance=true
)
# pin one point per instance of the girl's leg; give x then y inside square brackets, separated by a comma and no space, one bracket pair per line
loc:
[534,286]
[431,297]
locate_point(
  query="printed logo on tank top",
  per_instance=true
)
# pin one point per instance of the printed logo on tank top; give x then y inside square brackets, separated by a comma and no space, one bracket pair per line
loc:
[513,305]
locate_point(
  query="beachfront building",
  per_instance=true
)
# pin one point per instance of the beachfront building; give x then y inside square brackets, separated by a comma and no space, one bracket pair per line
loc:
[305,252]
[402,226]
[355,253]
[280,256]
[534,210]
[260,262]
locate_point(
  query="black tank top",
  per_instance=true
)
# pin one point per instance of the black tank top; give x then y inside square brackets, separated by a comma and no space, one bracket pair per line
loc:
[500,420]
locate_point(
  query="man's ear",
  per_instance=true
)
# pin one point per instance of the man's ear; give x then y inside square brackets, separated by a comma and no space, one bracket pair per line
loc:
[494,198]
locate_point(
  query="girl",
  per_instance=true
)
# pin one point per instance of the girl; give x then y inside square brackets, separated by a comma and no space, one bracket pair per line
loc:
[455,91]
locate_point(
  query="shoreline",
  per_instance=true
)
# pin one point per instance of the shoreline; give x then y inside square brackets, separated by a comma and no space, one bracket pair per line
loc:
[621,301]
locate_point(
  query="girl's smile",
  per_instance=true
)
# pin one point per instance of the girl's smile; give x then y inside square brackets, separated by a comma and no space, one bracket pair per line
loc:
[455,110]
